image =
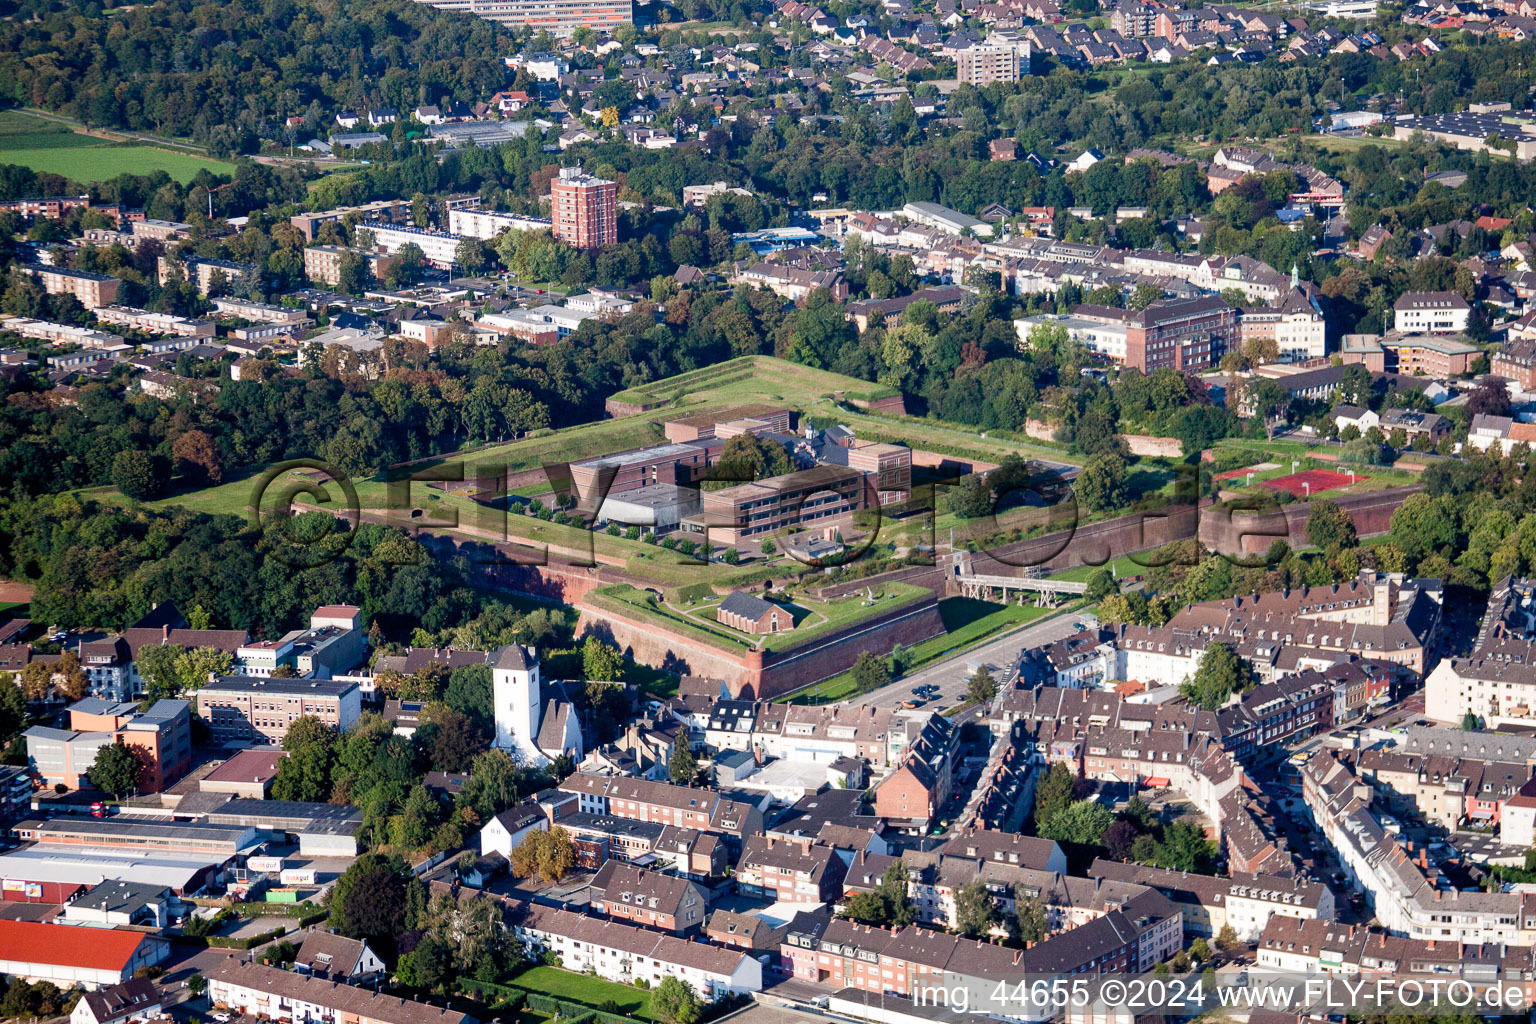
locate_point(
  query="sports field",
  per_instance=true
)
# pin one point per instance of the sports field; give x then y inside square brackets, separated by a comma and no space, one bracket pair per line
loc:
[1313,481]
[51,148]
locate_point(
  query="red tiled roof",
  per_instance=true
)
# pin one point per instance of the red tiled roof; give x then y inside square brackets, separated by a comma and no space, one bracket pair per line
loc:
[67,946]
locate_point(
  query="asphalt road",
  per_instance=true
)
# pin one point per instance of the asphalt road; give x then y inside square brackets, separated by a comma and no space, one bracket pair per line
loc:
[950,675]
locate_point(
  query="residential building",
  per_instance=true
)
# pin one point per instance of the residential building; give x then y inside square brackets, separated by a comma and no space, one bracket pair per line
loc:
[1494,682]
[560,18]
[980,66]
[651,899]
[887,313]
[665,803]
[394,211]
[335,957]
[1409,894]
[793,283]
[245,987]
[1430,313]
[136,999]
[584,208]
[505,831]
[207,274]
[487,224]
[789,872]
[239,709]
[92,290]
[622,952]
[1246,902]
[439,249]
[1516,361]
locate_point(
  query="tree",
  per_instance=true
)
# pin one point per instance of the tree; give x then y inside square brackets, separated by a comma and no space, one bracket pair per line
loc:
[197,984]
[470,254]
[305,773]
[372,900]
[981,687]
[767,548]
[866,908]
[1030,915]
[1100,484]
[138,474]
[745,458]
[1469,722]
[975,910]
[1220,674]
[1185,848]
[681,766]
[1227,939]
[195,454]
[1083,822]
[1490,398]
[549,854]
[1101,584]
[493,786]
[675,1002]
[1054,792]
[1199,951]
[1329,526]
[894,890]
[601,661]
[116,770]
[870,672]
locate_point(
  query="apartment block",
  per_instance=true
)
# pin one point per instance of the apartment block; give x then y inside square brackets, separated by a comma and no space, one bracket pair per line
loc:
[92,290]
[205,273]
[980,66]
[650,899]
[585,208]
[438,248]
[487,224]
[618,951]
[789,872]
[47,207]
[242,709]
[667,804]
[393,211]
[1431,313]
[268,993]
[558,18]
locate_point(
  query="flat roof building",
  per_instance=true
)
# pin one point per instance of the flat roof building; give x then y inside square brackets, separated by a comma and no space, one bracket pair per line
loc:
[240,709]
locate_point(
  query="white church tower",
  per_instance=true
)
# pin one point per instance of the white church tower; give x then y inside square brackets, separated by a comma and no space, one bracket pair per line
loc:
[515,692]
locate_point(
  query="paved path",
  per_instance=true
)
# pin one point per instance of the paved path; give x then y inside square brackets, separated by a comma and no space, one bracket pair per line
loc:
[950,675]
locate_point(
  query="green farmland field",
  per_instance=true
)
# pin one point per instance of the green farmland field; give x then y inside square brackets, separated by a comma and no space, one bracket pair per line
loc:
[51,148]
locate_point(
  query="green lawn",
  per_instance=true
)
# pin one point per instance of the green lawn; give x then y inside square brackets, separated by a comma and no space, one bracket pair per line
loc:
[1122,566]
[585,989]
[748,379]
[53,148]
[698,622]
